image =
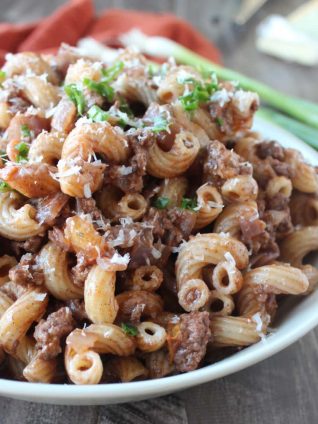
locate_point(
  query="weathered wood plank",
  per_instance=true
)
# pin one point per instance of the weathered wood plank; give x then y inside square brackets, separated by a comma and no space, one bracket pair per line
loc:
[16,411]
[166,410]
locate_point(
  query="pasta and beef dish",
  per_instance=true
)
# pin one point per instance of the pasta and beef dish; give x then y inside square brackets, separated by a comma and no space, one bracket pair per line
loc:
[145,230]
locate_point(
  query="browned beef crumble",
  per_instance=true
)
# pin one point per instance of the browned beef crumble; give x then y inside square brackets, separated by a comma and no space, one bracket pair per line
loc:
[195,334]
[270,149]
[80,270]
[88,206]
[221,164]
[131,182]
[27,271]
[171,225]
[50,332]
[32,245]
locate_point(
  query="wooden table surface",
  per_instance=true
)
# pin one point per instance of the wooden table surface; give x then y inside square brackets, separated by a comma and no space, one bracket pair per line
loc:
[280,390]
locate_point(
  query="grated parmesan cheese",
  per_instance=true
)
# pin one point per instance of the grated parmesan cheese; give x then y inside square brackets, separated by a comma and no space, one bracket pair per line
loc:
[120,260]
[126,221]
[87,191]
[125,170]
[259,324]
[221,97]
[72,171]
[243,100]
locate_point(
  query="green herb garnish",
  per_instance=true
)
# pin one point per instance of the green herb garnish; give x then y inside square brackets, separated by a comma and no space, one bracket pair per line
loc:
[2,77]
[3,155]
[200,93]
[129,329]
[4,187]
[151,71]
[25,131]
[187,203]
[96,114]
[161,202]
[113,71]
[102,87]
[76,96]
[124,107]
[159,124]
[23,151]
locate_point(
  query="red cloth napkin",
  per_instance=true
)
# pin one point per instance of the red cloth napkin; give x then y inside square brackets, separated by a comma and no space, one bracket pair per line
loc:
[76,19]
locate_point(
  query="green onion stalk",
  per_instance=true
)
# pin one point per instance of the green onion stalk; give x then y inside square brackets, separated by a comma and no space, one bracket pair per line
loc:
[298,109]
[306,133]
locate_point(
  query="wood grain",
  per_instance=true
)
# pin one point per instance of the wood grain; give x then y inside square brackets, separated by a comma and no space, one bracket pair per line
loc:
[280,390]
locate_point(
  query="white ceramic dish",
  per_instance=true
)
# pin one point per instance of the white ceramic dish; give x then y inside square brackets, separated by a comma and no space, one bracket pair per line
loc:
[297,318]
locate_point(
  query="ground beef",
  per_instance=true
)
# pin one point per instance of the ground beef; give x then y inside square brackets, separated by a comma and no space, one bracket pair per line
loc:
[32,245]
[141,251]
[283,169]
[182,219]
[253,233]
[221,164]
[270,149]
[132,181]
[27,271]
[50,207]
[77,307]
[13,290]
[271,305]
[279,202]
[171,225]
[88,206]
[268,253]
[18,105]
[80,270]
[194,335]
[50,332]
[278,223]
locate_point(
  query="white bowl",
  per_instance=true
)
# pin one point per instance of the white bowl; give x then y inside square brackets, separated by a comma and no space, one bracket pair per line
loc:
[296,317]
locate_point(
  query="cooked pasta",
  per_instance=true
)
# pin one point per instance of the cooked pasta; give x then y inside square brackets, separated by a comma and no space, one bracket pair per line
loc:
[142,222]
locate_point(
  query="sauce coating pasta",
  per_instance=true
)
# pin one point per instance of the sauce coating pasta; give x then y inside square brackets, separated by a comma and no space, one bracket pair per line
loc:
[141,221]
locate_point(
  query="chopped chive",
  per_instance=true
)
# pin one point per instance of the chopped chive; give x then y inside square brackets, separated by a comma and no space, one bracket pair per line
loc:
[96,114]
[188,203]
[3,155]
[23,151]
[102,87]
[129,329]
[113,71]
[4,187]
[199,94]
[2,77]
[151,71]
[25,131]
[76,96]
[124,107]
[161,202]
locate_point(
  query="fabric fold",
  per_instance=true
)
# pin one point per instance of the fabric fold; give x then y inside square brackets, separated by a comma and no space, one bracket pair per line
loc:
[76,19]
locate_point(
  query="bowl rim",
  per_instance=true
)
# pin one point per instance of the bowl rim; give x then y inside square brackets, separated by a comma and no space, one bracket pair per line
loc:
[120,392]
